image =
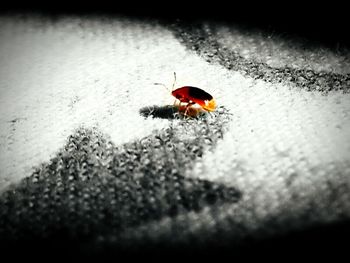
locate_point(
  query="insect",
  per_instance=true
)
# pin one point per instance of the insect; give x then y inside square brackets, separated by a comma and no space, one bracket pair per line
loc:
[192,96]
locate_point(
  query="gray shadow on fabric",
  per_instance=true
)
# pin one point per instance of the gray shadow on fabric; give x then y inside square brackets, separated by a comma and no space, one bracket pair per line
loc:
[93,188]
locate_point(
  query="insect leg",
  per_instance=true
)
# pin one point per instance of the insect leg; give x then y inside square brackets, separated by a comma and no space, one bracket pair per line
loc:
[188,106]
[172,88]
[177,106]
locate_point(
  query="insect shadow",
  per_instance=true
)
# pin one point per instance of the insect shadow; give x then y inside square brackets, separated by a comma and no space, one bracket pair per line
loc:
[163,112]
[169,112]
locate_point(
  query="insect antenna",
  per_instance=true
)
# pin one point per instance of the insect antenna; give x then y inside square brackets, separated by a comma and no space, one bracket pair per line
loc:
[172,88]
[161,84]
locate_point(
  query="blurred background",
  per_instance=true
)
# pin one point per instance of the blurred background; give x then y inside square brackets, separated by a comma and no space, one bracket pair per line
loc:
[325,22]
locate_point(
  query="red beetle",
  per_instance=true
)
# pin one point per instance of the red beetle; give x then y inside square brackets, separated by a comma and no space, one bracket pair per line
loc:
[192,96]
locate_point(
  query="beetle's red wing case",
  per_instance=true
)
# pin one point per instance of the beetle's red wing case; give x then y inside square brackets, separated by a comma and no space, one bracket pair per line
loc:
[196,95]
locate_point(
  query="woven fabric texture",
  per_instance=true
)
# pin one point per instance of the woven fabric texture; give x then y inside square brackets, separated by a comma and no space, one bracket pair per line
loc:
[91,154]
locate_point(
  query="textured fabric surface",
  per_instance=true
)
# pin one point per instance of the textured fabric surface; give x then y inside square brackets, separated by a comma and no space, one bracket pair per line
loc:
[93,158]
